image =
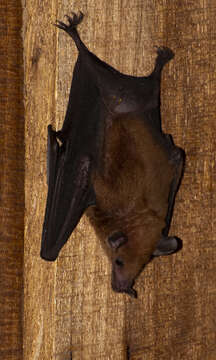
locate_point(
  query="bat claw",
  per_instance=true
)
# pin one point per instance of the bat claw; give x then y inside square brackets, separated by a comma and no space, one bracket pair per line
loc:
[70,19]
[164,54]
[73,22]
[60,25]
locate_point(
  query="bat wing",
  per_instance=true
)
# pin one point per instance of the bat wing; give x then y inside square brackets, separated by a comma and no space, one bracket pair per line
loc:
[69,194]
[70,163]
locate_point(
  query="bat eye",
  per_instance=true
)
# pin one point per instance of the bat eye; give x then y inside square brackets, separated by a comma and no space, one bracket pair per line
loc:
[119,262]
[117,239]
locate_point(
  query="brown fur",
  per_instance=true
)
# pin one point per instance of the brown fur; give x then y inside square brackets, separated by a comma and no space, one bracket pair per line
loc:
[132,192]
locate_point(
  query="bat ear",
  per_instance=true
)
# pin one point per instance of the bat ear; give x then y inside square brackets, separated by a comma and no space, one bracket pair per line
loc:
[117,239]
[167,245]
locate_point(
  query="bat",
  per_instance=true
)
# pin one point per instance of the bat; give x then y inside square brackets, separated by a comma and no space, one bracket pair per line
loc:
[112,161]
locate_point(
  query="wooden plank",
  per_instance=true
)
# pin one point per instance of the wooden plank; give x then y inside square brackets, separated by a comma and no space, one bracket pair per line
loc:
[173,317]
[39,282]
[69,305]
[11,180]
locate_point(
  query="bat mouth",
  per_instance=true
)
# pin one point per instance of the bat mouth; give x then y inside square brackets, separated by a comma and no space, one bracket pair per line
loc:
[124,287]
[132,292]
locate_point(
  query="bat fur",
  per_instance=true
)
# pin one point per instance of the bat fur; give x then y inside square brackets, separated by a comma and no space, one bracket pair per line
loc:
[112,161]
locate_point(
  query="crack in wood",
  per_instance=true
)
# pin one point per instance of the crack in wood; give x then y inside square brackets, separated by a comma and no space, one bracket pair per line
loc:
[128,352]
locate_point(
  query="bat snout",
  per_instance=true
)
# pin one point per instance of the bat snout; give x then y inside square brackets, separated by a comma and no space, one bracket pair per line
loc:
[122,285]
[124,288]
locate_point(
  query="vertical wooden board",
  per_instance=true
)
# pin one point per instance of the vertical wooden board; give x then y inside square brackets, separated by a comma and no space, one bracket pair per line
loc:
[11,180]
[67,303]
[89,315]
[39,283]
[174,315]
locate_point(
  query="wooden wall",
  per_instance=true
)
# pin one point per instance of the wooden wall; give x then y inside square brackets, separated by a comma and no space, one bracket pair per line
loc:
[11,180]
[70,310]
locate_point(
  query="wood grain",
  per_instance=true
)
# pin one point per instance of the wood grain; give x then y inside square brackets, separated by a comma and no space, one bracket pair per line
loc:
[39,281]
[69,305]
[11,180]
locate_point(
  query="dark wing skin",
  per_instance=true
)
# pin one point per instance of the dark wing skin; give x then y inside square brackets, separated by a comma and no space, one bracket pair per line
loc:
[98,94]
[64,211]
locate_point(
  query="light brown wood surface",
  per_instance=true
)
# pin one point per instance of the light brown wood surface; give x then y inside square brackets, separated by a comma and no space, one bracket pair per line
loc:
[69,305]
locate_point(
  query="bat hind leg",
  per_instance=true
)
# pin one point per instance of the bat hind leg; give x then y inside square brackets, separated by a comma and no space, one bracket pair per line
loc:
[71,28]
[171,244]
[177,158]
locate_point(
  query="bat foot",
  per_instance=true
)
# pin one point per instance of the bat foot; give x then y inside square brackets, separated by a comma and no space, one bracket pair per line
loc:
[164,54]
[73,22]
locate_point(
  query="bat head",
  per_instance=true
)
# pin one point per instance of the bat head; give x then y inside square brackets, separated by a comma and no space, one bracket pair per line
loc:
[129,257]
[127,262]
